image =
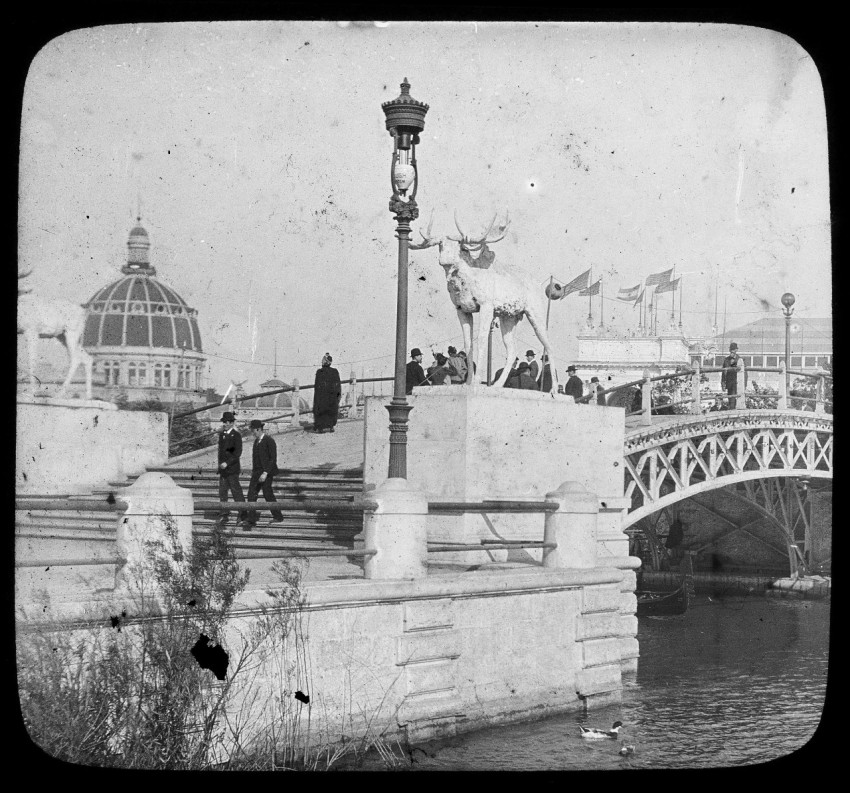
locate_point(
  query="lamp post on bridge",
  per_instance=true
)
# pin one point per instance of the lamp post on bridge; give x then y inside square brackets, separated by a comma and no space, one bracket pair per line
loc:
[405,119]
[788,301]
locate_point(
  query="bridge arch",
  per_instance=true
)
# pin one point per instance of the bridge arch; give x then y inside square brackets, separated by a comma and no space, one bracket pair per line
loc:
[687,455]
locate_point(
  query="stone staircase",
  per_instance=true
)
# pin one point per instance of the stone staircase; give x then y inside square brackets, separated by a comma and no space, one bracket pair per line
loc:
[301,529]
[90,535]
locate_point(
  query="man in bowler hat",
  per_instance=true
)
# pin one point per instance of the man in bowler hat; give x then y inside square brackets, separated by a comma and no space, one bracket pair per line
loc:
[264,462]
[414,374]
[574,386]
[229,452]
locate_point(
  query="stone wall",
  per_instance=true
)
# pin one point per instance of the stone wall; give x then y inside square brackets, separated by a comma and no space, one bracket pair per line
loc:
[448,654]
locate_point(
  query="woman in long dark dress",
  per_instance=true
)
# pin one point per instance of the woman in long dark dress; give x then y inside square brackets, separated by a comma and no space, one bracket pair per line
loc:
[327,391]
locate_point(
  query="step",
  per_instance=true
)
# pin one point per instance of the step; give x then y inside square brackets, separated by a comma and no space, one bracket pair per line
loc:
[65,518]
[245,475]
[212,487]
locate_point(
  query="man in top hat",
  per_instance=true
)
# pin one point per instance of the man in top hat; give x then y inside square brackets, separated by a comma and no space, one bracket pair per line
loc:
[574,387]
[533,366]
[729,377]
[229,454]
[415,374]
[264,462]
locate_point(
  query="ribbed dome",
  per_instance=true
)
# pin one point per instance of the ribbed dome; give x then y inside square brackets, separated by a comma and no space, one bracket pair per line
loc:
[139,311]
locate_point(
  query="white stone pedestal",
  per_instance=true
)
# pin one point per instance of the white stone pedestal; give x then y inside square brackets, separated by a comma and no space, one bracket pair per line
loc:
[474,443]
[157,524]
[67,446]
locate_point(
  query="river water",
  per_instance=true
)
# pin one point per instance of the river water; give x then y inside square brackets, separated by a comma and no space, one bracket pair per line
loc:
[733,682]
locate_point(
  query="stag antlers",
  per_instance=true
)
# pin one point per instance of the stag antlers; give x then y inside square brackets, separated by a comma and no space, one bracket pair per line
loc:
[427,239]
[468,243]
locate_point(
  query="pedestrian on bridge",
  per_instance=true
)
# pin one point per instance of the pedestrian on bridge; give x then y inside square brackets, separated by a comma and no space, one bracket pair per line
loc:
[524,378]
[327,391]
[229,466]
[533,366]
[264,461]
[414,376]
[457,367]
[574,386]
[546,376]
[729,378]
[596,388]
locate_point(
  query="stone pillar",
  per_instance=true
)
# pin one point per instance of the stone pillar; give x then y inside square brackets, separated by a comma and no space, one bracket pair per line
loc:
[157,523]
[782,403]
[819,395]
[572,528]
[646,399]
[294,397]
[696,407]
[397,530]
[740,386]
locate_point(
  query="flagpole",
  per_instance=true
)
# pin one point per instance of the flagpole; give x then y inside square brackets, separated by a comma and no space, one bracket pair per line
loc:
[601,307]
[655,313]
[549,302]
[716,287]
[681,290]
[673,300]
[590,303]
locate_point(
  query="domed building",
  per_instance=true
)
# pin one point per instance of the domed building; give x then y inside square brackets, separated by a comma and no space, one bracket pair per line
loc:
[143,336]
[276,409]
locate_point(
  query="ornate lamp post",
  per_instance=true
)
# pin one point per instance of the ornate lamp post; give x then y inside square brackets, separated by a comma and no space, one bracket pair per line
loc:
[788,301]
[405,120]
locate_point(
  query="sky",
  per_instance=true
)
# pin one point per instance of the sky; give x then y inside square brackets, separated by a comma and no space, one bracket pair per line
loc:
[257,156]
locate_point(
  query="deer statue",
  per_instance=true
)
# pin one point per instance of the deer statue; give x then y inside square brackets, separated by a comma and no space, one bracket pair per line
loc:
[476,285]
[53,319]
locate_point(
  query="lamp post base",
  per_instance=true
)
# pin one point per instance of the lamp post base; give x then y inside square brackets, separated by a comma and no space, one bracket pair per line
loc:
[398,410]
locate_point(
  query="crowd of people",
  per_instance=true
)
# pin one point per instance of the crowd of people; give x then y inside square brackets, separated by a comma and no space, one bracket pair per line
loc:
[449,369]
[453,368]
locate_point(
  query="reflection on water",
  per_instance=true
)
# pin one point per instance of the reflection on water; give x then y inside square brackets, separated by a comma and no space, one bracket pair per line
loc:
[735,681]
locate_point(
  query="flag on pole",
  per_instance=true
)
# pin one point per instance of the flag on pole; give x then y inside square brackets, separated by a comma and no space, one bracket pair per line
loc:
[639,297]
[668,286]
[628,295]
[659,278]
[578,283]
[591,290]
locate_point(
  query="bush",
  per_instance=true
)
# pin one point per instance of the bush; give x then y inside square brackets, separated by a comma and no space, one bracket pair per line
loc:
[141,693]
[156,688]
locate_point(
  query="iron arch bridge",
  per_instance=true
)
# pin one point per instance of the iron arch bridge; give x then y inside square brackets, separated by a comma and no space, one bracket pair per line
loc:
[689,454]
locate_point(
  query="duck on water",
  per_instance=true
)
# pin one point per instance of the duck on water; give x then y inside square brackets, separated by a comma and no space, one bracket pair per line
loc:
[595,732]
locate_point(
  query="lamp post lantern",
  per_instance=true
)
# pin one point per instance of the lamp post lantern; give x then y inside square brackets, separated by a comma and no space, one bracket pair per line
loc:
[405,120]
[788,301]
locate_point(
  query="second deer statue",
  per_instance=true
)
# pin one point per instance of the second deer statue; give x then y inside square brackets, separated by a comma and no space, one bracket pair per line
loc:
[54,319]
[477,287]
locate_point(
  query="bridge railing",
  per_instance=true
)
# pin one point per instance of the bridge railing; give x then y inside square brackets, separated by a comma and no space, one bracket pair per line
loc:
[568,530]
[349,402]
[645,402]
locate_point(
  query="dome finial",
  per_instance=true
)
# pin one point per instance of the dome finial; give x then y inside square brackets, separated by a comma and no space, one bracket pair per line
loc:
[138,252]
